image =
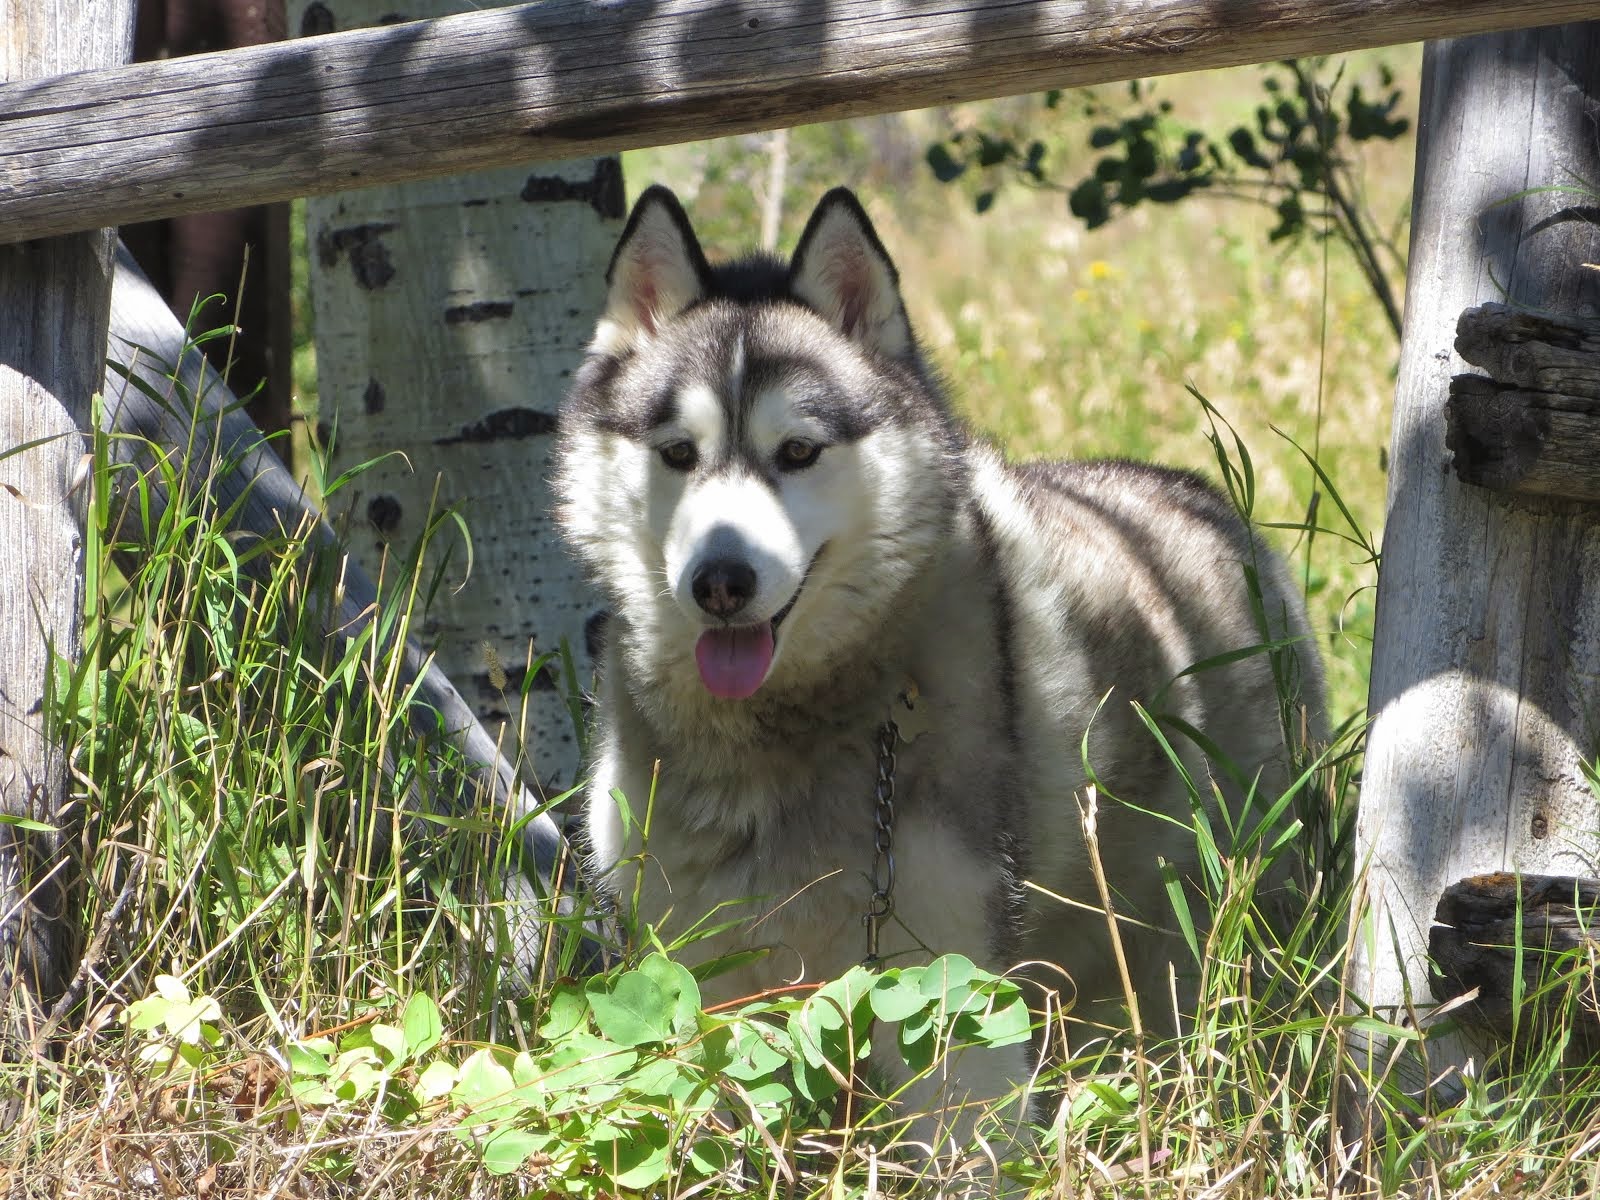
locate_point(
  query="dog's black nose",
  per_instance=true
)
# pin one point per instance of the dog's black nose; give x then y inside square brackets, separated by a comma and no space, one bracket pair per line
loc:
[722,586]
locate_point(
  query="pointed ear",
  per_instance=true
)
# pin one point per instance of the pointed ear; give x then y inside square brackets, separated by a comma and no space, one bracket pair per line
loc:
[657,271]
[841,270]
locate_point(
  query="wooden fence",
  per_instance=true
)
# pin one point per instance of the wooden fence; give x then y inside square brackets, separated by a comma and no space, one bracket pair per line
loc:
[570,78]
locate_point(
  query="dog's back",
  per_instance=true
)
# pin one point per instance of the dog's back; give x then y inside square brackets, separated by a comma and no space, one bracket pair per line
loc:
[1140,584]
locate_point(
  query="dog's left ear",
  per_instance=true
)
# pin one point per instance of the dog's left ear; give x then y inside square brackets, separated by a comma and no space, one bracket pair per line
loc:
[841,270]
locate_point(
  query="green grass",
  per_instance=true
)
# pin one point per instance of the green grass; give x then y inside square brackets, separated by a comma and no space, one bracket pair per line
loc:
[295,980]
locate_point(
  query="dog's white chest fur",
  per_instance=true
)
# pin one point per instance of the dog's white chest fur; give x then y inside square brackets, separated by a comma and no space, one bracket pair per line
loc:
[789,872]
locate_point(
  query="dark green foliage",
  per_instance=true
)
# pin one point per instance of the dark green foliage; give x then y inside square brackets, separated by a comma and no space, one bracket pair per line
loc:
[1293,157]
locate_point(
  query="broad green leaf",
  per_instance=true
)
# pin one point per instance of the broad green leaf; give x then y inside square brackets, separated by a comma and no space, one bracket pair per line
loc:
[482,1081]
[438,1079]
[308,1090]
[171,988]
[1005,1022]
[947,973]
[390,1042]
[424,1029]
[639,1159]
[585,1061]
[507,1149]
[147,1014]
[755,1057]
[633,1011]
[309,1058]
[894,999]
[525,1069]
[816,1083]
[565,1008]
[356,1074]
[679,986]
[711,1156]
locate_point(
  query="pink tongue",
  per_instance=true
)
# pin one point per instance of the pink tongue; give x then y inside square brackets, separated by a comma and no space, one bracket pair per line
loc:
[733,662]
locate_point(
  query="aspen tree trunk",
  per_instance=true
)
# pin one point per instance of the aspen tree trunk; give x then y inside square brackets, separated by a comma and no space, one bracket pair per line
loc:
[1486,664]
[54,297]
[450,315]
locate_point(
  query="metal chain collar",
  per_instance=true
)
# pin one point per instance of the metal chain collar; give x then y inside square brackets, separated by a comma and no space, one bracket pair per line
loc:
[881,907]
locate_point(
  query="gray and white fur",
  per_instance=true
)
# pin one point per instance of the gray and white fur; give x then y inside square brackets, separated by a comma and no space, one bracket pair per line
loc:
[759,450]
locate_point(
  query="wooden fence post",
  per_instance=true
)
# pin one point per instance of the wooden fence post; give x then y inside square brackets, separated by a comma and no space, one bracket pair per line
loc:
[54,298]
[1486,663]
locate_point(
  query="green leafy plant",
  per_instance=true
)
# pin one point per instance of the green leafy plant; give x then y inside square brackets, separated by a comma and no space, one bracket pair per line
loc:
[630,1083]
[180,1029]
[1294,157]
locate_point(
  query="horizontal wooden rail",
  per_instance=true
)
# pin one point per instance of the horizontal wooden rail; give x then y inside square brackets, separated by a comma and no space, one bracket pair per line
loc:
[564,78]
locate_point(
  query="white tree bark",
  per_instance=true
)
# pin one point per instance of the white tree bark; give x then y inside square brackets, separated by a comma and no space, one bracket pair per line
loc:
[450,315]
[1486,664]
[54,296]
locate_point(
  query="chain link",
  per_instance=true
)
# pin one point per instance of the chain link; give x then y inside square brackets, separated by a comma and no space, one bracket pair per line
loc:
[881,907]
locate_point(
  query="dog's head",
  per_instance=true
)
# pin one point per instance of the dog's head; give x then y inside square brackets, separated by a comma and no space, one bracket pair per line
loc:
[753,456]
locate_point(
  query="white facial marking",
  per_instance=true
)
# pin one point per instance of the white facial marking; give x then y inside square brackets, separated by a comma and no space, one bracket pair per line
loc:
[702,418]
[736,369]
[735,516]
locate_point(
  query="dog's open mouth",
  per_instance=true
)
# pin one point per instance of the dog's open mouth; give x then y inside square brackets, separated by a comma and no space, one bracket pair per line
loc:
[734,659]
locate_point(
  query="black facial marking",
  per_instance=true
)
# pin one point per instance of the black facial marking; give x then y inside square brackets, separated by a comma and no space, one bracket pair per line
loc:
[816,396]
[662,410]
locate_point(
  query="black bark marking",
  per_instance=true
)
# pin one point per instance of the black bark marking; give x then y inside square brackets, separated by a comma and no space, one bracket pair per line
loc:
[602,191]
[384,512]
[503,423]
[316,20]
[482,310]
[369,257]
[373,398]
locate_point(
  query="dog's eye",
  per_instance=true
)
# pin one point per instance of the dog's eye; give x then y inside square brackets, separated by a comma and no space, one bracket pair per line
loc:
[680,456]
[797,454]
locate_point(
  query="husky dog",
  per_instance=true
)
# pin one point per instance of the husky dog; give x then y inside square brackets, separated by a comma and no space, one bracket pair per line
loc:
[799,542]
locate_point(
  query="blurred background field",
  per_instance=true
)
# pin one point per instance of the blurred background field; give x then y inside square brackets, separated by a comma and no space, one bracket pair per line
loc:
[1058,340]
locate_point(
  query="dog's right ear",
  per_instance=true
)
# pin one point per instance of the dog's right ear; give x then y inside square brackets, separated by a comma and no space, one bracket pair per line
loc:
[657,271]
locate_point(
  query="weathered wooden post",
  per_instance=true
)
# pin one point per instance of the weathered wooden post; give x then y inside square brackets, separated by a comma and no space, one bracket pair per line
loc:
[450,314]
[54,297]
[1486,664]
